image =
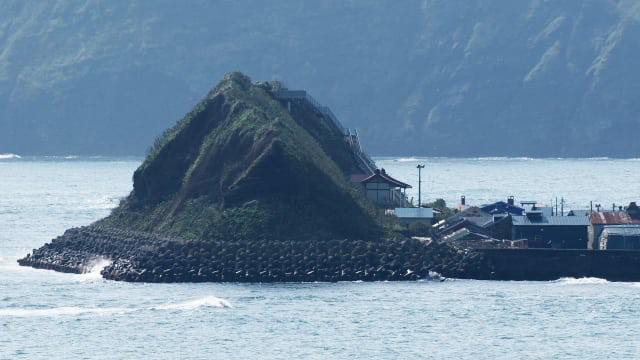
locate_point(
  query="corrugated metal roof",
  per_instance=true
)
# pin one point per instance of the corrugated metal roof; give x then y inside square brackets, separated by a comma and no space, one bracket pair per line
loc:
[414,213]
[612,218]
[623,230]
[551,221]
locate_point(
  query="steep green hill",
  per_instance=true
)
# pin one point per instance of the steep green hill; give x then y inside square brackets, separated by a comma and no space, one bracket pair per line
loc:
[240,166]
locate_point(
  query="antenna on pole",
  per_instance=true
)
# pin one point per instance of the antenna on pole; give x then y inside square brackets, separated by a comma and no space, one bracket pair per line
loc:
[420,167]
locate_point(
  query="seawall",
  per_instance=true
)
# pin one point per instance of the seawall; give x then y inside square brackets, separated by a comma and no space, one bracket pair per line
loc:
[552,264]
[144,257]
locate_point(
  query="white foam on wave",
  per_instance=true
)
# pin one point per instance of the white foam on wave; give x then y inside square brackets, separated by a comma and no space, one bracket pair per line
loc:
[103,202]
[10,156]
[581,281]
[92,272]
[61,311]
[409,159]
[503,158]
[208,301]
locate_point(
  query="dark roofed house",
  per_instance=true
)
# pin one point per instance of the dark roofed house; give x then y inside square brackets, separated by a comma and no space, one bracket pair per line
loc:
[501,207]
[383,189]
[558,232]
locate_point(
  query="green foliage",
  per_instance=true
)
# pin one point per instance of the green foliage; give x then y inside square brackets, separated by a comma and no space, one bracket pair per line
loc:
[240,166]
[443,211]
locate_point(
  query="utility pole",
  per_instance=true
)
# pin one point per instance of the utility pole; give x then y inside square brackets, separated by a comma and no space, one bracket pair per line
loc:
[420,167]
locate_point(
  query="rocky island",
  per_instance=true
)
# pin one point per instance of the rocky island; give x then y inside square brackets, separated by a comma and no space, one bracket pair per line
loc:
[249,188]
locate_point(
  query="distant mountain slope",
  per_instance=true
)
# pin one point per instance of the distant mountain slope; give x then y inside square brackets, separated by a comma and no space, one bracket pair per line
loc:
[455,78]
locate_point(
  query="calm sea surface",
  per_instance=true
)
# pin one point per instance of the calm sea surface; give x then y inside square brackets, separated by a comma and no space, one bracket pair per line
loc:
[48,315]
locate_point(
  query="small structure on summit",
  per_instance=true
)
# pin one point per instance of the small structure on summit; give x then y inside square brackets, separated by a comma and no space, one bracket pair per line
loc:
[383,189]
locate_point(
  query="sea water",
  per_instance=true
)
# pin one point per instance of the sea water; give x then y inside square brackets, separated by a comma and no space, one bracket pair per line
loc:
[49,315]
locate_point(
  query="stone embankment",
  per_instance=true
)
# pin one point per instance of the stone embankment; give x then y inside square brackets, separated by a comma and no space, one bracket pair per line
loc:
[146,257]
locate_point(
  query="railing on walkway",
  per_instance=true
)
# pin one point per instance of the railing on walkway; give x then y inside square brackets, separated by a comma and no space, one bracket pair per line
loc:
[302,95]
[366,164]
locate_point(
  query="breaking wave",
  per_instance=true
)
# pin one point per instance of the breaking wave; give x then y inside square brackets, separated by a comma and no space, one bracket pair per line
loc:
[93,269]
[10,156]
[103,202]
[409,159]
[580,281]
[503,158]
[208,301]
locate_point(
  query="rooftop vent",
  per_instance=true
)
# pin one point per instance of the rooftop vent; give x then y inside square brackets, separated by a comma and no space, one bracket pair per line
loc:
[534,215]
[633,210]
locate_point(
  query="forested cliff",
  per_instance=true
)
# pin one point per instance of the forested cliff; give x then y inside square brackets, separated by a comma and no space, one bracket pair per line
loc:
[433,78]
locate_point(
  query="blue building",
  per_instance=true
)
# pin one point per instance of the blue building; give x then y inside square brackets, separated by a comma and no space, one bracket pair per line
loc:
[503,208]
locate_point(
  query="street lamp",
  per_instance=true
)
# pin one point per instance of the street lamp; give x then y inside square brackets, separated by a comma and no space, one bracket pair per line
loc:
[420,167]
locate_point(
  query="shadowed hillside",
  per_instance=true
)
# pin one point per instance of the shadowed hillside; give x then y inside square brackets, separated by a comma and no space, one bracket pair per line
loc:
[240,166]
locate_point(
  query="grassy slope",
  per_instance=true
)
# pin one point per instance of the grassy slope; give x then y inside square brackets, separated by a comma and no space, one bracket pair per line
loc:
[239,166]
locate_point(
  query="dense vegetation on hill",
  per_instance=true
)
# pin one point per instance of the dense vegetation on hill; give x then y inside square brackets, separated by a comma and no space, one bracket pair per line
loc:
[430,77]
[240,166]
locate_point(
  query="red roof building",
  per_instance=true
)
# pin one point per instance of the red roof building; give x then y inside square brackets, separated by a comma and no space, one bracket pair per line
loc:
[612,218]
[600,219]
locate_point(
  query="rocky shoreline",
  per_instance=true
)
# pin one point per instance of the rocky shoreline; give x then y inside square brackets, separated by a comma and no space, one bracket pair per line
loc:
[143,257]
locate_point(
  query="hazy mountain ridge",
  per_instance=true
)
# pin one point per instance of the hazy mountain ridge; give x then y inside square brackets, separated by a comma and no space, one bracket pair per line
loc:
[531,78]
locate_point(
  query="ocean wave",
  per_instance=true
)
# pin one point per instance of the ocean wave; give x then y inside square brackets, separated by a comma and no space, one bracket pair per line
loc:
[409,159]
[103,202]
[9,156]
[580,281]
[94,269]
[503,158]
[208,301]
[62,311]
